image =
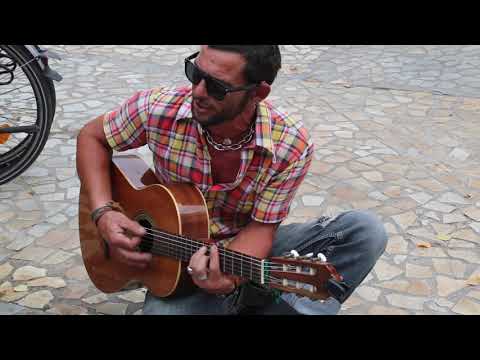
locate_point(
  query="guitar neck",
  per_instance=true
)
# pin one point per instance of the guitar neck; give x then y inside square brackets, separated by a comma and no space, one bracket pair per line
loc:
[182,248]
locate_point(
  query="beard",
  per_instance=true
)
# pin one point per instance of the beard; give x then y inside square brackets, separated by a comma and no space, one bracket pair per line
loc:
[223,116]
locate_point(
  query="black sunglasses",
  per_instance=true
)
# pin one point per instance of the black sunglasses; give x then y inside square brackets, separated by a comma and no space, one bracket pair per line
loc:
[215,88]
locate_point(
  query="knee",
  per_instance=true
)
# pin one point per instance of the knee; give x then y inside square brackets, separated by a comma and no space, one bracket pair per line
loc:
[369,231]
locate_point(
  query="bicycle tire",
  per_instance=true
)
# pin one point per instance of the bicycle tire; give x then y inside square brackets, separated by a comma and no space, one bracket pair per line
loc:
[53,95]
[18,159]
[53,98]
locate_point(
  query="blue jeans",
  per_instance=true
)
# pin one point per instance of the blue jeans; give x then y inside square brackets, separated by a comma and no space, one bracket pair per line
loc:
[352,242]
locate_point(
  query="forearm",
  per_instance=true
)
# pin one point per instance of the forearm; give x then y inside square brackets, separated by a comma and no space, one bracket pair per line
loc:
[93,167]
[255,240]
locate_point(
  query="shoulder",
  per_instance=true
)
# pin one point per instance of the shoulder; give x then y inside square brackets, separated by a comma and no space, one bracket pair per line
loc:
[167,96]
[290,137]
[162,103]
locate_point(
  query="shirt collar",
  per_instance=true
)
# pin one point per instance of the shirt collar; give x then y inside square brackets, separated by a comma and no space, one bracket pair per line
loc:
[263,126]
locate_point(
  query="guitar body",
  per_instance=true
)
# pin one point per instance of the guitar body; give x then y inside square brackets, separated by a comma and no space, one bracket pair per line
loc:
[177,209]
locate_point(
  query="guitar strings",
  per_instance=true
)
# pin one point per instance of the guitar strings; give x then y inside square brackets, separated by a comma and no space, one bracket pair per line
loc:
[166,249]
[238,267]
[195,242]
[235,270]
[188,251]
[188,243]
[235,267]
[228,253]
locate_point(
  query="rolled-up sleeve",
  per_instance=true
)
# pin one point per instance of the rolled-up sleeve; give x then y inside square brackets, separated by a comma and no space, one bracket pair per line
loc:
[124,127]
[272,205]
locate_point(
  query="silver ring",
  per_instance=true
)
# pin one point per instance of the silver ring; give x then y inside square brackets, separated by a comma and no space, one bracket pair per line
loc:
[189,270]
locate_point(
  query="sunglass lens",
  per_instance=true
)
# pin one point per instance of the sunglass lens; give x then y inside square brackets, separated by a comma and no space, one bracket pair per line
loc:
[215,90]
[193,75]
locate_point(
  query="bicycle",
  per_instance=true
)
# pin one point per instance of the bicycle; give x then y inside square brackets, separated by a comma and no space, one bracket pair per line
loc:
[27,106]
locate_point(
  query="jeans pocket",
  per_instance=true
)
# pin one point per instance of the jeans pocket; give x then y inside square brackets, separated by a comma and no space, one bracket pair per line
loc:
[323,221]
[316,243]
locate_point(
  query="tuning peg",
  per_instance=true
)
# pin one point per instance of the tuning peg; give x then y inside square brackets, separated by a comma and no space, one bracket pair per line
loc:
[321,257]
[294,253]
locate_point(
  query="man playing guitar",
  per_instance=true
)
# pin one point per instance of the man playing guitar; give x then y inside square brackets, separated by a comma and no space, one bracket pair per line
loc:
[247,158]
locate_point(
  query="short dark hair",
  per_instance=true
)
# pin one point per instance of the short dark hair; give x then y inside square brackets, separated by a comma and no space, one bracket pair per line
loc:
[263,61]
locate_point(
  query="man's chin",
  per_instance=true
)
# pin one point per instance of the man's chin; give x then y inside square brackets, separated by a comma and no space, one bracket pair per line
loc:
[206,121]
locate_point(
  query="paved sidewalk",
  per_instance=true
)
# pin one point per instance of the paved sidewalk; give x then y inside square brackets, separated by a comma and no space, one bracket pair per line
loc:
[396,130]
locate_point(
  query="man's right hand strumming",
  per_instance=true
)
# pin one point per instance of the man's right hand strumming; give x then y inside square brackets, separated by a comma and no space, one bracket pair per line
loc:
[123,236]
[93,165]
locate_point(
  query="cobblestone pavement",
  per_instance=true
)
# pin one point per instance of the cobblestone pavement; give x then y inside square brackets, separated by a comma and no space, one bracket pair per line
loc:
[396,130]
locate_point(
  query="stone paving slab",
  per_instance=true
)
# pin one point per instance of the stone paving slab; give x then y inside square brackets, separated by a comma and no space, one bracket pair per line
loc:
[396,130]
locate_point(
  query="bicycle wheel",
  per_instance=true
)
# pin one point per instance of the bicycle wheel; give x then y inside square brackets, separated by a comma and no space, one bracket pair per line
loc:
[25,105]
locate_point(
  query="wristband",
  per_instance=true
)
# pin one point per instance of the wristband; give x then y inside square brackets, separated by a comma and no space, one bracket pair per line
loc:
[109,206]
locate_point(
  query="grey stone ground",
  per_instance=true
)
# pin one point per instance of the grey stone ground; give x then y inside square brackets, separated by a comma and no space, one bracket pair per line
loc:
[396,131]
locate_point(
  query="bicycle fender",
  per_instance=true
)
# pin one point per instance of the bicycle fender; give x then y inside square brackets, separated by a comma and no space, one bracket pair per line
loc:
[41,56]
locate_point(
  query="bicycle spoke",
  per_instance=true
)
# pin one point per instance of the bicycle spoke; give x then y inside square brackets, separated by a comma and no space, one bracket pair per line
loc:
[13,141]
[24,123]
[19,108]
[23,65]
[18,100]
[16,75]
[7,92]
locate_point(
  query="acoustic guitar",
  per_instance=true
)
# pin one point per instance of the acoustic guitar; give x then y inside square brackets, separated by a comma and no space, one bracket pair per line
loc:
[177,225]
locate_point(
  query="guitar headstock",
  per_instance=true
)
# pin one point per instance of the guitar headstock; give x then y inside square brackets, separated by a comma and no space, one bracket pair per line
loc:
[303,275]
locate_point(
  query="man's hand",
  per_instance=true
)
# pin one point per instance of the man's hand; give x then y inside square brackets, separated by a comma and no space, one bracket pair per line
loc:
[209,266]
[113,227]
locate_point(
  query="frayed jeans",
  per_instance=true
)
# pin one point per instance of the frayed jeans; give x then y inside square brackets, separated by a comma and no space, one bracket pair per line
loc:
[352,242]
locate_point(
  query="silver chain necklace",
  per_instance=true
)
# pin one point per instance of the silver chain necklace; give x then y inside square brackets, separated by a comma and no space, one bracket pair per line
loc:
[227,143]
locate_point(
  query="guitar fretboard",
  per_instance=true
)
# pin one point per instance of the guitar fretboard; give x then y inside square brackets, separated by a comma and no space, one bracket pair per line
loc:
[182,248]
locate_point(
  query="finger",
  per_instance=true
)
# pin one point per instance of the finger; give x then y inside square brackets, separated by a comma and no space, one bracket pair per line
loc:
[123,233]
[132,226]
[214,266]
[197,255]
[200,264]
[135,241]
[120,240]
[134,258]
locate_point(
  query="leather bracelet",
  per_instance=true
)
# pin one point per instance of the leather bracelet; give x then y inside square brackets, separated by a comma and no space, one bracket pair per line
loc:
[109,206]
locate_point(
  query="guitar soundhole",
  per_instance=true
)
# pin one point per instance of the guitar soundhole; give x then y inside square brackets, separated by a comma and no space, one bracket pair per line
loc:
[147,241]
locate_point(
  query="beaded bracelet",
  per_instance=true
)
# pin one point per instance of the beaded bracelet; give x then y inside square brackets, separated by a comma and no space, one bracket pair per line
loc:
[111,205]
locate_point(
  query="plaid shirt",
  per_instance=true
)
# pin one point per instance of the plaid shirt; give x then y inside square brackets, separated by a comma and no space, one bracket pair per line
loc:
[271,168]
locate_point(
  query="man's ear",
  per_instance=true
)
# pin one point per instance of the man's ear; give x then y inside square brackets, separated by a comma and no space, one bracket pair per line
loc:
[262,91]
